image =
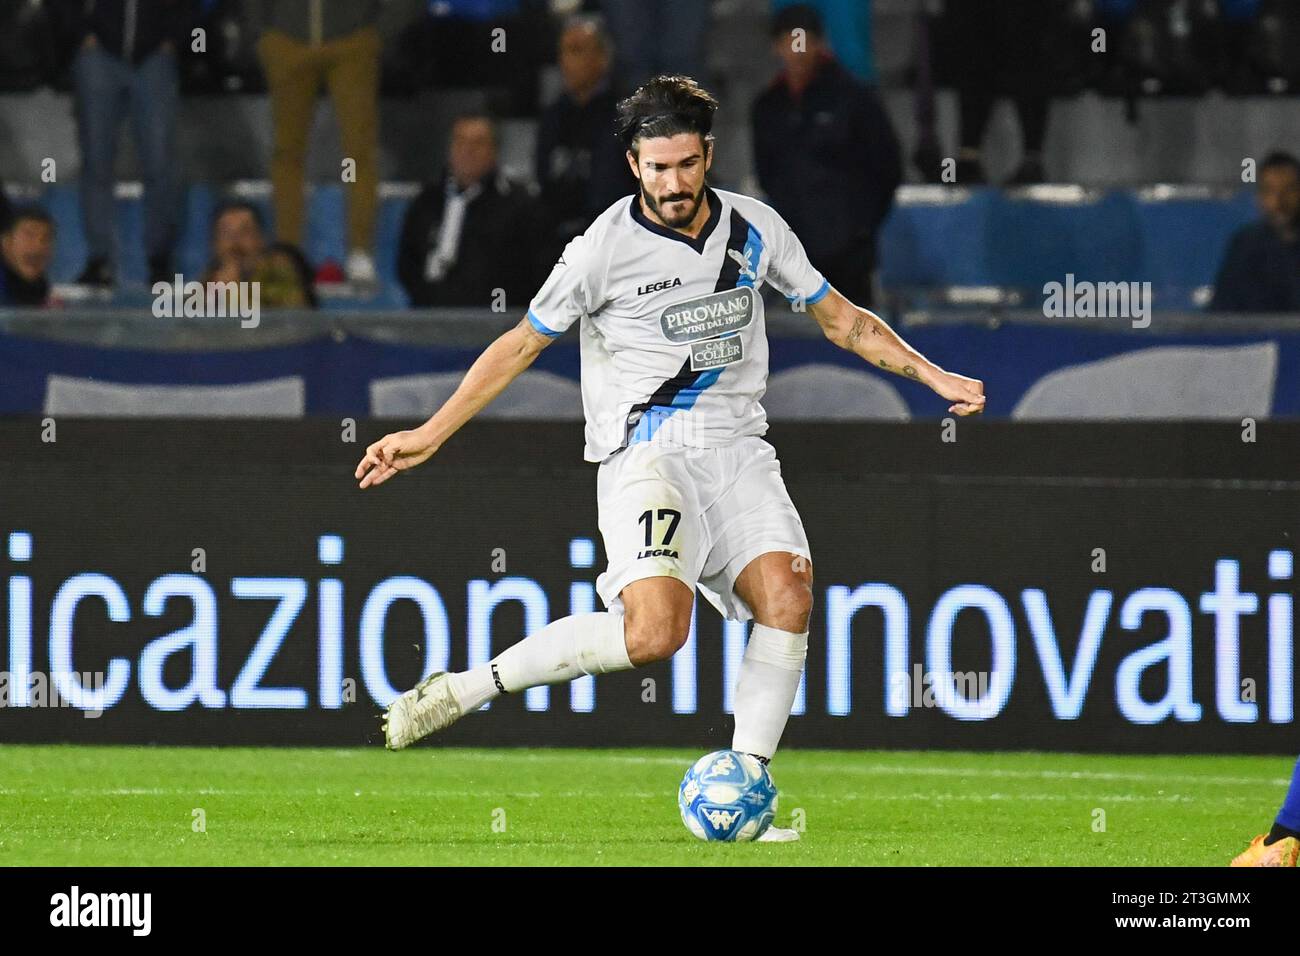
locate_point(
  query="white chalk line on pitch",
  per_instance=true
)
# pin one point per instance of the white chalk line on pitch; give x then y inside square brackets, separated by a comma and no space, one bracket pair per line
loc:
[633,794]
[1033,797]
[339,794]
[889,769]
[882,771]
[865,770]
[512,756]
[1068,775]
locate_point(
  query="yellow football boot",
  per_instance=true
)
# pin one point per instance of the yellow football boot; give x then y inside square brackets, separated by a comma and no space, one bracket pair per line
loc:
[1282,853]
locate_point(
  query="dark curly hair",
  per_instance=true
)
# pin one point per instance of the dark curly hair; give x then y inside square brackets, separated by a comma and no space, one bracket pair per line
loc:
[666,106]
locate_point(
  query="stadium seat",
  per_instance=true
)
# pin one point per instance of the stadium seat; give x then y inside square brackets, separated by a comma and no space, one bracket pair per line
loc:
[533,395]
[978,237]
[829,392]
[1187,382]
[277,398]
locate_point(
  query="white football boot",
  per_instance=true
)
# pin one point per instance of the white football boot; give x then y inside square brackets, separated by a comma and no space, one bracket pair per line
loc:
[778,835]
[427,707]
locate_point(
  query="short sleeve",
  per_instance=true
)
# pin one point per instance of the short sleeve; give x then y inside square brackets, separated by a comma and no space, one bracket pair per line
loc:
[570,291]
[790,272]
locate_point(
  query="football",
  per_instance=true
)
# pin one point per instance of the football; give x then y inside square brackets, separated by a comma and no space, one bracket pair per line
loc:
[727,796]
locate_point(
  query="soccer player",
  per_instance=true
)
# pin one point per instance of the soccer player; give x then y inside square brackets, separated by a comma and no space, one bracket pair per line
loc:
[1281,845]
[674,363]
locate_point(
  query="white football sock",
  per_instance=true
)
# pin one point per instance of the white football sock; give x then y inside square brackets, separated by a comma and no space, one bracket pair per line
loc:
[769,679]
[561,651]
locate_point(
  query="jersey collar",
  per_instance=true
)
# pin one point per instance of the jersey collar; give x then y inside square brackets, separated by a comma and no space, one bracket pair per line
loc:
[698,243]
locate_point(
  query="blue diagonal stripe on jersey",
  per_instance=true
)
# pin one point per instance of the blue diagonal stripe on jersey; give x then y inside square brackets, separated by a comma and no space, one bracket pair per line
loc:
[683,390]
[729,275]
[685,397]
[752,253]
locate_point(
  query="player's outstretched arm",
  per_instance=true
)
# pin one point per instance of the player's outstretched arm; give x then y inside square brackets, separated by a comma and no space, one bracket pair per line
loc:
[498,366]
[867,335]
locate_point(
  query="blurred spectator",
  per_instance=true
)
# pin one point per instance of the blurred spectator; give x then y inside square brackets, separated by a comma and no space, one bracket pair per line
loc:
[5,210]
[304,44]
[1261,271]
[1161,46]
[848,31]
[127,61]
[999,48]
[285,278]
[826,155]
[927,154]
[657,36]
[238,241]
[496,47]
[472,231]
[28,45]
[579,164]
[240,253]
[1263,36]
[26,250]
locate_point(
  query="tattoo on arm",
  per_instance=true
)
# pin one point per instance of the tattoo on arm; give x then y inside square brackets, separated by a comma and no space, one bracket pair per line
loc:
[907,370]
[862,321]
[856,332]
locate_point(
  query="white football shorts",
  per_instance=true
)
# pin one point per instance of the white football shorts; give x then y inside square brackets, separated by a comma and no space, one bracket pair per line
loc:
[696,514]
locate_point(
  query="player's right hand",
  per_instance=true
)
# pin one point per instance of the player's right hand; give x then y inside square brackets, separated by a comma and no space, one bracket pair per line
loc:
[393,453]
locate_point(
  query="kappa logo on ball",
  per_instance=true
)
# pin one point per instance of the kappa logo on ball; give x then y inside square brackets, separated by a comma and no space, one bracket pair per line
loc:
[720,819]
[723,765]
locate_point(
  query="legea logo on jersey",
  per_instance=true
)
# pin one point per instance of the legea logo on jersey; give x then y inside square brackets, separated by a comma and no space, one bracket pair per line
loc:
[708,316]
[659,286]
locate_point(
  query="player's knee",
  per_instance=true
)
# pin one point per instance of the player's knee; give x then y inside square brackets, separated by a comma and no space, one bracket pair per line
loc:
[656,635]
[790,605]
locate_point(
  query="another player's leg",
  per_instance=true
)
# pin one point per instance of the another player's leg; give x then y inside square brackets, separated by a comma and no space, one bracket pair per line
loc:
[777,586]
[653,624]
[1281,845]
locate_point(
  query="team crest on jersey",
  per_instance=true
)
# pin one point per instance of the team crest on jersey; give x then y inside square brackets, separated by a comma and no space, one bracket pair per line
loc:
[708,316]
[742,261]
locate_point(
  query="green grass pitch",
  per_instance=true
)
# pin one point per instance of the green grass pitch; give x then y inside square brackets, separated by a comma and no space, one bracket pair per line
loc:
[71,805]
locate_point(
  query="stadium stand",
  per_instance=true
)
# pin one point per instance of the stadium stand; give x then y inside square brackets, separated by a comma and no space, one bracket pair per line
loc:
[1144,154]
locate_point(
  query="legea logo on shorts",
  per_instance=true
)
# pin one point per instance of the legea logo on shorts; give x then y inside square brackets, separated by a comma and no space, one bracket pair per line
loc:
[708,316]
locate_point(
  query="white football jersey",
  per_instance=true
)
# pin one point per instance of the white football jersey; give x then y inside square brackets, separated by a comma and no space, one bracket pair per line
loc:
[673,346]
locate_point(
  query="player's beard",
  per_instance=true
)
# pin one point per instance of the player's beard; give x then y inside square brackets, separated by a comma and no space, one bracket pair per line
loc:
[678,221]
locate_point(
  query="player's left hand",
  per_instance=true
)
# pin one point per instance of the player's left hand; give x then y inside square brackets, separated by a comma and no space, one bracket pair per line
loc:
[966,394]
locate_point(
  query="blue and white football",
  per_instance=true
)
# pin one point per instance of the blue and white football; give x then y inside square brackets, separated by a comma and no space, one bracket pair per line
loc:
[727,796]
